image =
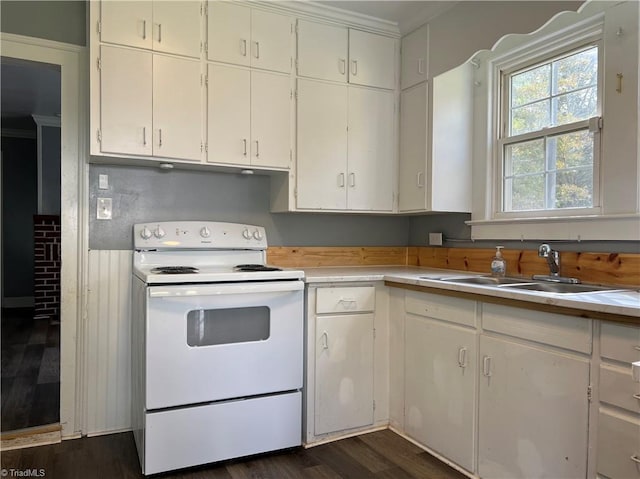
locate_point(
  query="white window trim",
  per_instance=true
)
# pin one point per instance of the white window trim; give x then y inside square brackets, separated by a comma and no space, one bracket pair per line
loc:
[605,222]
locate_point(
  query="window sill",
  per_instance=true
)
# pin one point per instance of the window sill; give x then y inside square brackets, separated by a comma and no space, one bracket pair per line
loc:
[623,227]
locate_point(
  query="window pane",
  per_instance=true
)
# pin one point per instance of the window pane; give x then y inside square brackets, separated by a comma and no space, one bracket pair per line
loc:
[576,71]
[573,149]
[575,106]
[527,192]
[530,117]
[574,188]
[530,86]
[524,158]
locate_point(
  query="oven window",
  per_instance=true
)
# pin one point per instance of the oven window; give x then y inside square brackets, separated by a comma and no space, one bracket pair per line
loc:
[208,327]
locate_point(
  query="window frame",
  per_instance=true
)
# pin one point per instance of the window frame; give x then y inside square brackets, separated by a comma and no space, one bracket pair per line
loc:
[531,55]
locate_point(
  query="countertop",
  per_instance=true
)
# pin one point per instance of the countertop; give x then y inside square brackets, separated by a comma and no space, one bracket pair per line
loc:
[624,303]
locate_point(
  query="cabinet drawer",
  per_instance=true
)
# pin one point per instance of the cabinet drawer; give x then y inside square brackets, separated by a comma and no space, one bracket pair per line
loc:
[618,442]
[620,342]
[456,310]
[617,387]
[566,332]
[345,300]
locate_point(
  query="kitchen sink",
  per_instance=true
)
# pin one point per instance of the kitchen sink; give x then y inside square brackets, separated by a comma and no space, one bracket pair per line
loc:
[564,288]
[486,280]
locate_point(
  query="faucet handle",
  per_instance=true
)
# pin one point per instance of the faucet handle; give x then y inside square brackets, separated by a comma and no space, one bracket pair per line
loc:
[544,250]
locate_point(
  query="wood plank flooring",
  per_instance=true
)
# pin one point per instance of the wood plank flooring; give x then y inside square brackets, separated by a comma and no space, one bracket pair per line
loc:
[378,455]
[30,386]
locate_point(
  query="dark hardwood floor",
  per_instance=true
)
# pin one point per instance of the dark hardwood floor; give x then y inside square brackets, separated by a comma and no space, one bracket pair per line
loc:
[30,387]
[377,455]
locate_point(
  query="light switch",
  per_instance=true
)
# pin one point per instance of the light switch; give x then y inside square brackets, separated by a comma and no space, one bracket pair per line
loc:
[104,209]
[103,182]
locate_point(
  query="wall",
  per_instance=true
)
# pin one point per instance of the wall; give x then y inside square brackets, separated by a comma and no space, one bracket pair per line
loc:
[50,170]
[61,21]
[471,26]
[19,204]
[148,194]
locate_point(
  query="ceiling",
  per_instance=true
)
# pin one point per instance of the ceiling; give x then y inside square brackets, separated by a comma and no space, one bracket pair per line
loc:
[397,11]
[28,88]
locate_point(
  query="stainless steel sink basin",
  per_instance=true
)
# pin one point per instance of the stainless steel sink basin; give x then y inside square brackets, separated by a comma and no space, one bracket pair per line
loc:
[564,288]
[486,280]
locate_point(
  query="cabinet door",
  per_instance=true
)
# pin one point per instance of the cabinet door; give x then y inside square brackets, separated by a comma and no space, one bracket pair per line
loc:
[125,101]
[344,372]
[177,27]
[126,23]
[414,57]
[440,392]
[371,151]
[229,109]
[271,41]
[452,140]
[413,149]
[533,414]
[372,60]
[322,51]
[270,119]
[322,145]
[229,33]
[177,108]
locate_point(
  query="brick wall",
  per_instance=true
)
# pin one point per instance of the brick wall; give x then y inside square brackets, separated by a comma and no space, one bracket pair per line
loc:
[46,232]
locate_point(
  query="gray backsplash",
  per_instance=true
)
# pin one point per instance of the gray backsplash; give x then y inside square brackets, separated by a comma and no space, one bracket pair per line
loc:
[142,194]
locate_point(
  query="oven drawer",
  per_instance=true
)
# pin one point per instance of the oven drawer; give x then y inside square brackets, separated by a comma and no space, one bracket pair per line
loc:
[215,432]
[349,299]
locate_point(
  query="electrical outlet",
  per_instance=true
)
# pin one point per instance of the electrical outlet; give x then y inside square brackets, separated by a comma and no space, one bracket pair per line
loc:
[104,209]
[435,239]
[103,182]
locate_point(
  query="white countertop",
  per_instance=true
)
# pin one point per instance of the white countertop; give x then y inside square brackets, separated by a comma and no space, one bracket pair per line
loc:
[625,303]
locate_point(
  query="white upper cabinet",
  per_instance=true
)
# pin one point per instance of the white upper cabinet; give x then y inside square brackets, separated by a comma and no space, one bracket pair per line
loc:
[164,26]
[125,96]
[322,51]
[150,104]
[335,53]
[322,145]
[244,36]
[177,108]
[345,147]
[249,117]
[437,178]
[370,151]
[372,60]
[414,57]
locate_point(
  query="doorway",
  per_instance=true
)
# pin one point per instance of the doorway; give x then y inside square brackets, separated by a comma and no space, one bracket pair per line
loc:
[30,217]
[73,206]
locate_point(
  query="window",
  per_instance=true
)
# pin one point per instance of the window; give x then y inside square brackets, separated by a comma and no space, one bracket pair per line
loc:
[549,145]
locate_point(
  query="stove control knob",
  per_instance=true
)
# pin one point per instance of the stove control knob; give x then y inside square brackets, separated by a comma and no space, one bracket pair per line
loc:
[257,235]
[205,232]
[145,233]
[159,233]
[246,233]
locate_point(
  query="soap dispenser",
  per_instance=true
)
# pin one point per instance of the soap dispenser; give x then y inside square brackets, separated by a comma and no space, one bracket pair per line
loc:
[498,263]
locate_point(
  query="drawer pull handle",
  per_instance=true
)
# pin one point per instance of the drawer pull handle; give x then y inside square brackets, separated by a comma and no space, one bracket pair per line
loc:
[637,396]
[637,348]
[325,340]
[635,458]
[486,366]
[462,357]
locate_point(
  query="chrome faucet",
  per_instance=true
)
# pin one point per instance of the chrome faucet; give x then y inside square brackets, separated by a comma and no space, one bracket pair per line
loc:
[552,257]
[553,260]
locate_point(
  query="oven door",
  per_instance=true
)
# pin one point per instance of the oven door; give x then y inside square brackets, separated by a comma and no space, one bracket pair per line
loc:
[209,342]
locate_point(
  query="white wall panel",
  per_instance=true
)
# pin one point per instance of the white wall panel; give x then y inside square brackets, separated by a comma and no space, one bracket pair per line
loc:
[108,342]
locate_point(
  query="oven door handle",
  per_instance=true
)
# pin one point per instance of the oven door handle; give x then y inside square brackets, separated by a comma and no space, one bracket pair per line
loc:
[188,291]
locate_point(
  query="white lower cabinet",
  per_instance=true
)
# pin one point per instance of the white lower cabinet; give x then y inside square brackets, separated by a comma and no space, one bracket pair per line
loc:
[440,387]
[618,446]
[533,412]
[344,372]
[345,361]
